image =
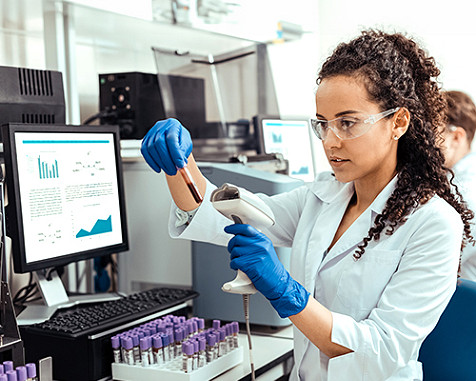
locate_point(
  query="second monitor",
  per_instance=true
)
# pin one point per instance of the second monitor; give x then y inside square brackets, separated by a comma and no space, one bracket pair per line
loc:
[292,139]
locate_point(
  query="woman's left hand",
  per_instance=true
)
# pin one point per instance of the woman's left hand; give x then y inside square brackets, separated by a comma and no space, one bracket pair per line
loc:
[253,253]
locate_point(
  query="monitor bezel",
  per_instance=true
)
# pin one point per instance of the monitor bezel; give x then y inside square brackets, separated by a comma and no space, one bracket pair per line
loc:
[259,133]
[14,218]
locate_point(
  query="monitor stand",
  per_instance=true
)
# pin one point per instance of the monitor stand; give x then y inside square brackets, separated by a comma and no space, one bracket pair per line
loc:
[54,297]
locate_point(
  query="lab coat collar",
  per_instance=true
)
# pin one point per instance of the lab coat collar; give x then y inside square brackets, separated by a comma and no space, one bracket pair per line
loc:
[328,189]
[359,229]
[380,201]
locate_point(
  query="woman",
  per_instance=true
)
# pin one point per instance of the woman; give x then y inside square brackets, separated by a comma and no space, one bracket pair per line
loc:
[376,244]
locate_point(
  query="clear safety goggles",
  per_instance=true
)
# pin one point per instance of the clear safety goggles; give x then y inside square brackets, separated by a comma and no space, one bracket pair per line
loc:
[348,127]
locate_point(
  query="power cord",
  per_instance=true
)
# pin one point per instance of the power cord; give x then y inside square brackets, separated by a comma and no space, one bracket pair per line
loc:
[246,307]
[106,113]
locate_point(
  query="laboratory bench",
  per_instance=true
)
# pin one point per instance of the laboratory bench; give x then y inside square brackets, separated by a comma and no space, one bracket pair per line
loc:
[272,354]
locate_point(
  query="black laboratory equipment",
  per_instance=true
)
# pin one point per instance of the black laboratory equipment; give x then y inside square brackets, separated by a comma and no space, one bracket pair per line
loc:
[134,101]
[31,96]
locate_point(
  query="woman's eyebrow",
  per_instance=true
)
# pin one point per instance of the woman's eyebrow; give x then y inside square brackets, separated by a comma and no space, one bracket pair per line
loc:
[347,112]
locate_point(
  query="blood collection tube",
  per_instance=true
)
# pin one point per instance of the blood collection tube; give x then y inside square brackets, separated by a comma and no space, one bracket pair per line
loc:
[11,375]
[202,357]
[128,351]
[136,347]
[21,373]
[195,354]
[7,365]
[116,349]
[212,348]
[3,377]
[187,357]
[222,346]
[145,350]
[191,184]
[201,324]
[166,345]
[178,342]
[31,371]
[236,329]
[158,350]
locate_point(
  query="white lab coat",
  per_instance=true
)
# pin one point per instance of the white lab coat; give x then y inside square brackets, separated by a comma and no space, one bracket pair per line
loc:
[383,305]
[465,179]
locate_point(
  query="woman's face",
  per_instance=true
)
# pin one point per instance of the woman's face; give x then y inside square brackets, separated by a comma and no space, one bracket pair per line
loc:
[371,157]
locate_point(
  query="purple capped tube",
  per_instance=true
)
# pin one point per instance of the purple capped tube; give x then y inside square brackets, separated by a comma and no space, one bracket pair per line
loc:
[145,350]
[187,357]
[31,371]
[7,365]
[21,373]
[128,351]
[158,349]
[116,349]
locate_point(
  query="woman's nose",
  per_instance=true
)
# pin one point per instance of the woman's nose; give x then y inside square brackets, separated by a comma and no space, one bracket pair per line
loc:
[331,139]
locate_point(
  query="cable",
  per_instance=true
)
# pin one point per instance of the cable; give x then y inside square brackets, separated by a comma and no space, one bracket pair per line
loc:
[246,307]
[101,114]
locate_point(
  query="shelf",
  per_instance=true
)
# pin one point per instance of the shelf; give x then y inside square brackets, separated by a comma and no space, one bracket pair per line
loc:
[117,31]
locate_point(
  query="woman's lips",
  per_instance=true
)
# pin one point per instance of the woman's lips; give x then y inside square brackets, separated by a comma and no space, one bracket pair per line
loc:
[337,162]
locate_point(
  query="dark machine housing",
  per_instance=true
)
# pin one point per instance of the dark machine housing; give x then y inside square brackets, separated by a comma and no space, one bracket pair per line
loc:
[31,96]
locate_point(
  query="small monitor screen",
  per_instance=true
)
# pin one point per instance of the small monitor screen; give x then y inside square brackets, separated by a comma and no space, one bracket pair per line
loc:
[291,139]
[68,194]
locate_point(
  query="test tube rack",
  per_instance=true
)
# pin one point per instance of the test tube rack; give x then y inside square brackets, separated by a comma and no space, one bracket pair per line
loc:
[172,371]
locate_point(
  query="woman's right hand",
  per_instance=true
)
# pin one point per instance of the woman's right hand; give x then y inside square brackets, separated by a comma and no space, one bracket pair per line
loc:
[166,146]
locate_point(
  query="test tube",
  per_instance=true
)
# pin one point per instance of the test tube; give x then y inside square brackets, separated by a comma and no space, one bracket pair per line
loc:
[196,348]
[128,351]
[31,371]
[166,344]
[21,373]
[158,350]
[236,329]
[116,349]
[191,184]
[3,377]
[187,357]
[135,347]
[222,346]
[145,350]
[7,365]
[11,375]
[202,357]
[201,324]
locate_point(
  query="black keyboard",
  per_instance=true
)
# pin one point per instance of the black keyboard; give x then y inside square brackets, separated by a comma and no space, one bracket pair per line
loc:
[85,319]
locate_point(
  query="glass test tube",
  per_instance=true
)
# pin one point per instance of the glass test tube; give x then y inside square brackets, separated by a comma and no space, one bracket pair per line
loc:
[191,184]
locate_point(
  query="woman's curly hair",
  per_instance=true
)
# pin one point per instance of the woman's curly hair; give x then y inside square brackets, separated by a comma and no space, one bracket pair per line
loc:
[398,73]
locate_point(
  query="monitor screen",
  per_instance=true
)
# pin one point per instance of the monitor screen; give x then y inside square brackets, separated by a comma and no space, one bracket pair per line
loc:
[290,138]
[65,194]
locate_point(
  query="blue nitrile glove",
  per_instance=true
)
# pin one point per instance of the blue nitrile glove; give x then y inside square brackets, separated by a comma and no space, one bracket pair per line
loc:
[253,253]
[167,146]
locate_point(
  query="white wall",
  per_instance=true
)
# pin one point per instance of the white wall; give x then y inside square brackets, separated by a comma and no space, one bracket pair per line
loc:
[445,28]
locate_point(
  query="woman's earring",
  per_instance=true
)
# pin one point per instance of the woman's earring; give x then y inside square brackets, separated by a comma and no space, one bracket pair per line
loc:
[395,137]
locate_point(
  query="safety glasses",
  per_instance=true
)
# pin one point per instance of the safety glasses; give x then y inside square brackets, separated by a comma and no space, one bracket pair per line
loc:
[348,127]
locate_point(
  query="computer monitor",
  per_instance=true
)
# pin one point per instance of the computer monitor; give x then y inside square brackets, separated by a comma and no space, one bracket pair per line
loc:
[292,139]
[65,196]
